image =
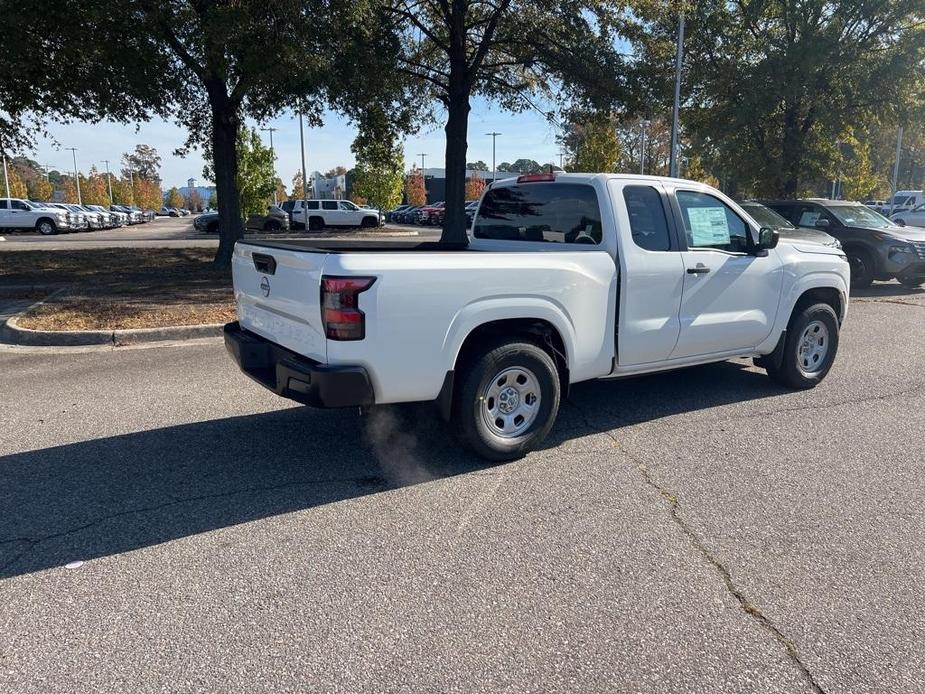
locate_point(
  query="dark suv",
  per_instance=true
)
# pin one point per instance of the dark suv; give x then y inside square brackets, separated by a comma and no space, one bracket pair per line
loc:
[877,249]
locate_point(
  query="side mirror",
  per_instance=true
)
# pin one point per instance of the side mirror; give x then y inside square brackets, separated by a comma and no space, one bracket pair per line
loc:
[767,239]
[822,223]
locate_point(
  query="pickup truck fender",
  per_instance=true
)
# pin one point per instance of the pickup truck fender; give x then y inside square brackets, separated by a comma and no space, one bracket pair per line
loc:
[797,287]
[500,308]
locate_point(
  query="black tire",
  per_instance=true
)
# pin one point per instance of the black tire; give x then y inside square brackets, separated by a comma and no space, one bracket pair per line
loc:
[913,282]
[862,267]
[46,227]
[315,224]
[800,370]
[272,225]
[470,414]
[368,222]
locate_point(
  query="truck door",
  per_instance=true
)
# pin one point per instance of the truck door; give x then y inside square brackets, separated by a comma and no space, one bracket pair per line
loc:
[652,273]
[730,297]
[333,215]
[5,221]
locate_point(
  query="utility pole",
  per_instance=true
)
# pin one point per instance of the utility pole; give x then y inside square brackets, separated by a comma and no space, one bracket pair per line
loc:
[304,175]
[423,177]
[108,180]
[76,174]
[273,154]
[899,147]
[6,179]
[679,58]
[561,155]
[47,168]
[642,146]
[494,170]
[422,155]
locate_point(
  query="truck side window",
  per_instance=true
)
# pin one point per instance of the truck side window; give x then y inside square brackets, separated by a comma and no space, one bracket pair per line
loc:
[709,223]
[313,204]
[539,211]
[328,204]
[647,218]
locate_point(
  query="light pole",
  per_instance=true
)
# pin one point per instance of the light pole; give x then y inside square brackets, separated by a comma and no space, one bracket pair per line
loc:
[273,154]
[561,155]
[304,175]
[673,160]
[494,171]
[6,180]
[76,174]
[47,168]
[108,180]
[642,145]
[899,147]
[423,177]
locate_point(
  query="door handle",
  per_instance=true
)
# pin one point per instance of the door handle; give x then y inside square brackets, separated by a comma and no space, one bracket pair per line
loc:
[699,270]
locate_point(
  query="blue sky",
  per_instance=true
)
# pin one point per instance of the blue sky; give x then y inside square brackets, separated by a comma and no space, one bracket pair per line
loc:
[525,135]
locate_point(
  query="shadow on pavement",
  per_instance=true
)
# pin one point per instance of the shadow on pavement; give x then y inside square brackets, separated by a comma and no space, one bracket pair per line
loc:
[102,497]
[887,289]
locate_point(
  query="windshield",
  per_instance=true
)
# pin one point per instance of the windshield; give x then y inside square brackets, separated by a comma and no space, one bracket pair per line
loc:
[859,216]
[767,217]
[901,199]
[35,205]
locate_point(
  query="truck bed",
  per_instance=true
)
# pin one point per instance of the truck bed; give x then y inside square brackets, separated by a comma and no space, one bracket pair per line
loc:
[355,246]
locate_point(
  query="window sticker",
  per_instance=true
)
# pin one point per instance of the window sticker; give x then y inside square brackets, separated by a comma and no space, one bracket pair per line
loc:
[809,218]
[709,226]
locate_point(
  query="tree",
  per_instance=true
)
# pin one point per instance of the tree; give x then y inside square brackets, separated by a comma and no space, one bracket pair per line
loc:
[379,172]
[93,189]
[39,189]
[148,194]
[256,179]
[174,198]
[213,200]
[336,171]
[68,190]
[123,192]
[415,191]
[193,201]
[144,163]
[207,64]
[280,190]
[15,182]
[590,143]
[298,190]
[477,165]
[508,51]
[773,85]
[475,186]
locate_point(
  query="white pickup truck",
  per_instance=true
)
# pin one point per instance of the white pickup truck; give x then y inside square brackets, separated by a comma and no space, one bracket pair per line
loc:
[567,278]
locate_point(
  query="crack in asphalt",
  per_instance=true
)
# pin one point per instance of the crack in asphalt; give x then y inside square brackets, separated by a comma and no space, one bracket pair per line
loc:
[887,301]
[674,507]
[371,481]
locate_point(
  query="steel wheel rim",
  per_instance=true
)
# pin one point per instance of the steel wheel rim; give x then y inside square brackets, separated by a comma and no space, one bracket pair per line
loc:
[813,347]
[45,228]
[510,402]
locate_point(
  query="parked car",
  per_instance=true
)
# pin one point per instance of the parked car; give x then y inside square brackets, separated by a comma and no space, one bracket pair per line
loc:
[914,217]
[903,201]
[79,221]
[275,219]
[98,220]
[93,219]
[116,219]
[207,223]
[426,213]
[408,215]
[146,215]
[391,213]
[567,278]
[333,213]
[132,216]
[767,217]
[877,248]
[471,207]
[184,212]
[44,218]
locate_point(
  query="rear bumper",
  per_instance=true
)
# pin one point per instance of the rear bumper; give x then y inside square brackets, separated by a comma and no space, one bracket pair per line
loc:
[296,377]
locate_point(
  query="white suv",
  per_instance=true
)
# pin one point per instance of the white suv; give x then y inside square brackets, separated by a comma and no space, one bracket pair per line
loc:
[334,213]
[25,214]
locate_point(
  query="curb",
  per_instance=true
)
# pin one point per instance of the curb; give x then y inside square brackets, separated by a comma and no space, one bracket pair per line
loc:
[13,333]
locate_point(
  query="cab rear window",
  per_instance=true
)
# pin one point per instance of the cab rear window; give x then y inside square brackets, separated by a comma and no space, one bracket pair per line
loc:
[550,212]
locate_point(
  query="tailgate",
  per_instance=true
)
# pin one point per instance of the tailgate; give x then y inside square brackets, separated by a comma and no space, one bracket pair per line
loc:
[278,294]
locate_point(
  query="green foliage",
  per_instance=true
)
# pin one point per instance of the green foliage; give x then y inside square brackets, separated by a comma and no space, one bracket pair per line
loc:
[174,198]
[256,179]
[772,85]
[380,163]
[477,166]
[143,163]
[590,142]
[520,166]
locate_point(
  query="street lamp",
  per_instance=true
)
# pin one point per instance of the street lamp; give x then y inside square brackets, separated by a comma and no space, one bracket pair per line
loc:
[273,154]
[423,176]
[304,175]
[108,180]
[643,124]
[76,174]
[673,160]
[561,155]
[494,171]
[6,179]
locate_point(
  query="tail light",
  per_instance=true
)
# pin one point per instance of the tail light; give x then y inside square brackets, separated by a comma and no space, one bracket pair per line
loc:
[536,177]
[340,309]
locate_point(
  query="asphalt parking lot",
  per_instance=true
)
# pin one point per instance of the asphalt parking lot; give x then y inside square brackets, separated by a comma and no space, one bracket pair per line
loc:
[172,232]
[698,531]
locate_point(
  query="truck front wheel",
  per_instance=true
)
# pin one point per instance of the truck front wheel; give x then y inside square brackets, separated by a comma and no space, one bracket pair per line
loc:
[507,400]
[810,348]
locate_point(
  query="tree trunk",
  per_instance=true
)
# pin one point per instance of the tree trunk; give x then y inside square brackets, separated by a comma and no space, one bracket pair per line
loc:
[225,123]
[456,129]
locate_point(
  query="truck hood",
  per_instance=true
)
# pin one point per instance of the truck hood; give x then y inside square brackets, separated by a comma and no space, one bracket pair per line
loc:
[803,235]
[907,233]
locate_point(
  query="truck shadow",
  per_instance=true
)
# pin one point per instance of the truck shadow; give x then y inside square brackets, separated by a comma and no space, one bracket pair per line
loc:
[887,289]
[107,496]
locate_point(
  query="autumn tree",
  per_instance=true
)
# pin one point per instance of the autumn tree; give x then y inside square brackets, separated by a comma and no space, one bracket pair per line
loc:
[39,189]
[123,192]
[280,191]
[68,190]
[415,190]
[509,51]
[148,194]
[174,198]
[16,184]
[475,186]
[298,189]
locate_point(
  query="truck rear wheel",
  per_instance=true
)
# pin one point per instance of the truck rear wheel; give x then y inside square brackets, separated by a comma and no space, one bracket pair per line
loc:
[507,400]
[810,348]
